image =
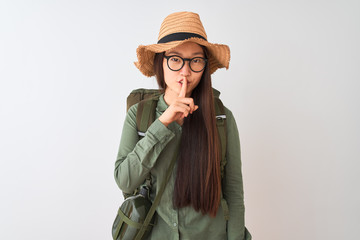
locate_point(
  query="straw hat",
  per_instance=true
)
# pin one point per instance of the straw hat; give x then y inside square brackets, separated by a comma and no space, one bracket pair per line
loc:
[176,29]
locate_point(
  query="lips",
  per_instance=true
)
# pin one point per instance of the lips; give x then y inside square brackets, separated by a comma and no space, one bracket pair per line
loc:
[181,81]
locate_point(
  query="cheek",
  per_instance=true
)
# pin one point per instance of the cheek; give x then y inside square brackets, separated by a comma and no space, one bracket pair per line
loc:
[168,74]
[198,78]
[165,66]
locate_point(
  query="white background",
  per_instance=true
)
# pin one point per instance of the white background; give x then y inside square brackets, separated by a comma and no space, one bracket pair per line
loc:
[66,68]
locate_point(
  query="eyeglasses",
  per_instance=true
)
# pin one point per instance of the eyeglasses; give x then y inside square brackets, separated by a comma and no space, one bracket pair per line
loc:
[175,63]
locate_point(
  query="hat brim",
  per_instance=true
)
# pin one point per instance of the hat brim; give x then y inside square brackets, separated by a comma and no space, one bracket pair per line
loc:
[219,54]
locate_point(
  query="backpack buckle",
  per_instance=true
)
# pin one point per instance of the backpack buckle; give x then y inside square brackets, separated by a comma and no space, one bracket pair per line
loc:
[220,119]
[141,134]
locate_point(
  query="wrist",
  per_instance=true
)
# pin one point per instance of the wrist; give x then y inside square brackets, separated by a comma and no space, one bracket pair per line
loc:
[163,121]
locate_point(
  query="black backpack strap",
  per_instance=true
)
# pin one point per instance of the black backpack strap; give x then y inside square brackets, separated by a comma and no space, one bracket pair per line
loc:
[221,127]
[147,99]
[145,115]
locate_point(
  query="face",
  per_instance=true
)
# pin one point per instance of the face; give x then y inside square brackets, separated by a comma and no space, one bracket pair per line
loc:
[174,79]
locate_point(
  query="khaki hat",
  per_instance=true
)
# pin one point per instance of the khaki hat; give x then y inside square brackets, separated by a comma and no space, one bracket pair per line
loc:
[176,29]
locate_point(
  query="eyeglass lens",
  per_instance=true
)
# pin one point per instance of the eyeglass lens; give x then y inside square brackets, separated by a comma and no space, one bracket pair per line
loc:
[197,64]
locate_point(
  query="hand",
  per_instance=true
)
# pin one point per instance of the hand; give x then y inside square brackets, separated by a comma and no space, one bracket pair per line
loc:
[180,108]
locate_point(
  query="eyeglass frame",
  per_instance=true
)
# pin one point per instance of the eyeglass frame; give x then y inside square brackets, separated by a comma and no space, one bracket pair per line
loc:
[184,60]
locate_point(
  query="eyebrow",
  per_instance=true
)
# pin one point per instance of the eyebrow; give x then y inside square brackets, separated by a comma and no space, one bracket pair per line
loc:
[194,54]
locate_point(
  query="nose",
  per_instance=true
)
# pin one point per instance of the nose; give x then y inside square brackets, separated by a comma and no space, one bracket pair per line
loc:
[185,70]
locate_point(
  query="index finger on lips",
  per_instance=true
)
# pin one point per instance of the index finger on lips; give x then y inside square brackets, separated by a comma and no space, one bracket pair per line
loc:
[183,89]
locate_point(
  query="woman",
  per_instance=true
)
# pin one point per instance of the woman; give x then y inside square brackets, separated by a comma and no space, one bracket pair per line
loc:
[198,202]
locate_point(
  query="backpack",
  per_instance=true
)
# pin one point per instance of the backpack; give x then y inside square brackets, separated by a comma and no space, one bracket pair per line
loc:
[146,113]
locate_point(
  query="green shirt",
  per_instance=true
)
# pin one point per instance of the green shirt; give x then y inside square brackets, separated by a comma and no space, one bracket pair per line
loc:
[153,153]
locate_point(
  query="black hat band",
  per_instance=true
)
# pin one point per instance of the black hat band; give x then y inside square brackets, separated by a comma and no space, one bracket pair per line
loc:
[179,37]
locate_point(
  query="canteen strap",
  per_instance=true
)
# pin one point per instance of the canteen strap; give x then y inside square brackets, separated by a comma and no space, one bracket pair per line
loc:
[129,222]
[158,196]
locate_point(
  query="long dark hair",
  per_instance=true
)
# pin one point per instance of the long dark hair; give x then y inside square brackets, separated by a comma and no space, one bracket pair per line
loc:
[198,181]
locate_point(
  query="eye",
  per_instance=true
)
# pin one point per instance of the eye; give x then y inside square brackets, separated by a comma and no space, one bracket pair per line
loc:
[197,60]
[175,59]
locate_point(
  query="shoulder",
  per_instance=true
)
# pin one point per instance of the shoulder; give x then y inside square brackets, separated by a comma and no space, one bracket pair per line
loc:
[145,106]
[228,112]
[131,113]
[230,120]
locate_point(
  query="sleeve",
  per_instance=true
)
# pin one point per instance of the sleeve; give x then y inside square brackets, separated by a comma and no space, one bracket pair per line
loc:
[137,157]
[233,189]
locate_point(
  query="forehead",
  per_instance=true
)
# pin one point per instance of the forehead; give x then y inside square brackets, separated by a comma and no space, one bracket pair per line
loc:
[187,49]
